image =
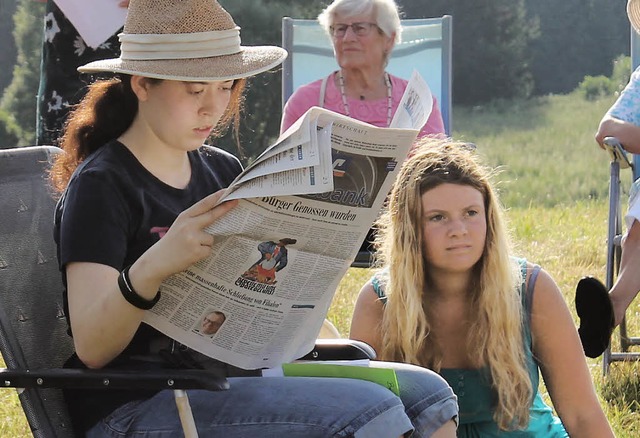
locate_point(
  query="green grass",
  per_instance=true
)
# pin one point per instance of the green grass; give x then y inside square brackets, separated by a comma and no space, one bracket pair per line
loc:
[553,181]
[544,148]
[12,421]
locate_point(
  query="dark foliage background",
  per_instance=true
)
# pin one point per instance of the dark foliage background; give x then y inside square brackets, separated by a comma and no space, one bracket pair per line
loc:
[502,49]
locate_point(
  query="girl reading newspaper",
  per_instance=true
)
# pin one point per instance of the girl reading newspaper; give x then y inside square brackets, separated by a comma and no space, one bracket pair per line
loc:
[138,187]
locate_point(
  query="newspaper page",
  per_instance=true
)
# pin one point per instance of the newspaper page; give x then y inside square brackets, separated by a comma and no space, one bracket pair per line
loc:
[305,206]
[415,106]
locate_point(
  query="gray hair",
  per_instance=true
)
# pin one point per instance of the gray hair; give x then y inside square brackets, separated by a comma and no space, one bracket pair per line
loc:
[385,12]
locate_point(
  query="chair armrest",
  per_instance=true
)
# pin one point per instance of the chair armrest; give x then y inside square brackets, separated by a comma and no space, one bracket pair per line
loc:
[340,349]
[616,151]
[115,379]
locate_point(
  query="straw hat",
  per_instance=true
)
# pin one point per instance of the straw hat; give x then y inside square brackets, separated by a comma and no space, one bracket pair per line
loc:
[185,40]
[633,12]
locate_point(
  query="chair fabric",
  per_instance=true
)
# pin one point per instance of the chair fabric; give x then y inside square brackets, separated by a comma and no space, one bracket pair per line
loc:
[32,324]
[426,47]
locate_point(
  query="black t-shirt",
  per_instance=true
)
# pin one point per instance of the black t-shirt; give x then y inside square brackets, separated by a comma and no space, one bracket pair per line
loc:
[112,211]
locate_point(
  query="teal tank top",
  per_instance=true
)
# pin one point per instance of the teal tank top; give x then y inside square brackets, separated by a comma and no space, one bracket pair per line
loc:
[473,386]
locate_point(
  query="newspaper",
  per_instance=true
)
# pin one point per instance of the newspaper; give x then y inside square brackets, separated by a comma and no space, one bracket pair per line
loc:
[416,104]
[305,206]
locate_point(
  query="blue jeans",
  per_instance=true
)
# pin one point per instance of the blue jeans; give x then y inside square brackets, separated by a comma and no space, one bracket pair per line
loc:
[279,407]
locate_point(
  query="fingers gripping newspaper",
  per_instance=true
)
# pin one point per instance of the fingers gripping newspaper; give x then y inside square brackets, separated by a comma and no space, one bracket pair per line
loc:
[305,206]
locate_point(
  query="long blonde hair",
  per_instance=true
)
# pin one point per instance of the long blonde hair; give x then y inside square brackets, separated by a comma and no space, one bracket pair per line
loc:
[495,335]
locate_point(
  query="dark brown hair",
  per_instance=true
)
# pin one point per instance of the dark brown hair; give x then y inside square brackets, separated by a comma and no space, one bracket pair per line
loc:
[105,113]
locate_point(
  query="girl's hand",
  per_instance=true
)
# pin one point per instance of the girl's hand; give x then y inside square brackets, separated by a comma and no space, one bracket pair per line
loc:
[124,4]
[186,242]
[103,322]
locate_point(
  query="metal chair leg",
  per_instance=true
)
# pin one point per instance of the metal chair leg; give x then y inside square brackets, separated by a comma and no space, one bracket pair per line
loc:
[613,238]
[186,416]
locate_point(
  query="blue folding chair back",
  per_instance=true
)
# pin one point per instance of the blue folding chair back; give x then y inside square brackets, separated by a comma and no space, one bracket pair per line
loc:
[425,46]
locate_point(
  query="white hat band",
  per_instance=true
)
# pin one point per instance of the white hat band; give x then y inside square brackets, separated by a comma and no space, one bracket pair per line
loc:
[180,46]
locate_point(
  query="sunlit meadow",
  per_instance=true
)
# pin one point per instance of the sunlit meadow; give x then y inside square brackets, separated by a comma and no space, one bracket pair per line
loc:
[553,181]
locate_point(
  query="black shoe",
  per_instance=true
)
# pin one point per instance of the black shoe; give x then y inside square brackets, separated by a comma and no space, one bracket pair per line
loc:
[595,311]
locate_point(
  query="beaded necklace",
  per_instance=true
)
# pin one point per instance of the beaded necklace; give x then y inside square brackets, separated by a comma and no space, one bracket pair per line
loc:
[387,81]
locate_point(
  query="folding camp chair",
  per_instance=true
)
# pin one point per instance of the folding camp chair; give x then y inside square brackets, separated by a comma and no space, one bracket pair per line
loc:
[426,47]
[33,329]
[619,160]
[614,237]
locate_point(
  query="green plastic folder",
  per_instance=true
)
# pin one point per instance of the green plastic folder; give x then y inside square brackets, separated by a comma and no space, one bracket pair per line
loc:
[382,376]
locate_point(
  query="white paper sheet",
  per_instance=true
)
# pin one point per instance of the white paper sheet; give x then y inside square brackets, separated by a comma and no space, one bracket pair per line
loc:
[95,20]
[415,106]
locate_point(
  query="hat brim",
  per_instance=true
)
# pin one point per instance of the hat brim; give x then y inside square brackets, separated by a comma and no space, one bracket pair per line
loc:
[250,61]
[633,12]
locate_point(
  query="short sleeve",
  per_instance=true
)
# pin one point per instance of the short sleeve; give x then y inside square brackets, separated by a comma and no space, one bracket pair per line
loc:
[94,222]
[627,107]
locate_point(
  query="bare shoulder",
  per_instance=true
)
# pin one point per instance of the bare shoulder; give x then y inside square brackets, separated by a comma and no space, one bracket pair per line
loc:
[368,304]
[545,287]
[367,316]
[550,316]
[368,295]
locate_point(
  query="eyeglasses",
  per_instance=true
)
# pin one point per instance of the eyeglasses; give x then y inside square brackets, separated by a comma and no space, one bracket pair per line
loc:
[360,29]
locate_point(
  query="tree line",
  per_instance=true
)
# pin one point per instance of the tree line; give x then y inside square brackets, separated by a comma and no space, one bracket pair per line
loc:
[502,49]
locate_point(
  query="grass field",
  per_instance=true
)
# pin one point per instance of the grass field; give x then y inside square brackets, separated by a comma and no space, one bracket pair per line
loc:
[553,181]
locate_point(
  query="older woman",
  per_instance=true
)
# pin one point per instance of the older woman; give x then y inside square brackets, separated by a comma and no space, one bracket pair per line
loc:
[363,34]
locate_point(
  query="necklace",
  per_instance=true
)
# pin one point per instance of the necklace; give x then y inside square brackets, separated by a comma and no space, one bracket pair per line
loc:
[387,82]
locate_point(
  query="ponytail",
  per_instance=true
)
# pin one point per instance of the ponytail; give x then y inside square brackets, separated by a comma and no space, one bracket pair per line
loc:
[105,112]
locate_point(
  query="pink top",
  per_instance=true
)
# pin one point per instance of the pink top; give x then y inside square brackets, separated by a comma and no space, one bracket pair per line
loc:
[370,111]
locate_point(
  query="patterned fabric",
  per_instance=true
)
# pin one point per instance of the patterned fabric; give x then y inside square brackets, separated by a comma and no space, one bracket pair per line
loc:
[626,107]
[633,212]
[61,86]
